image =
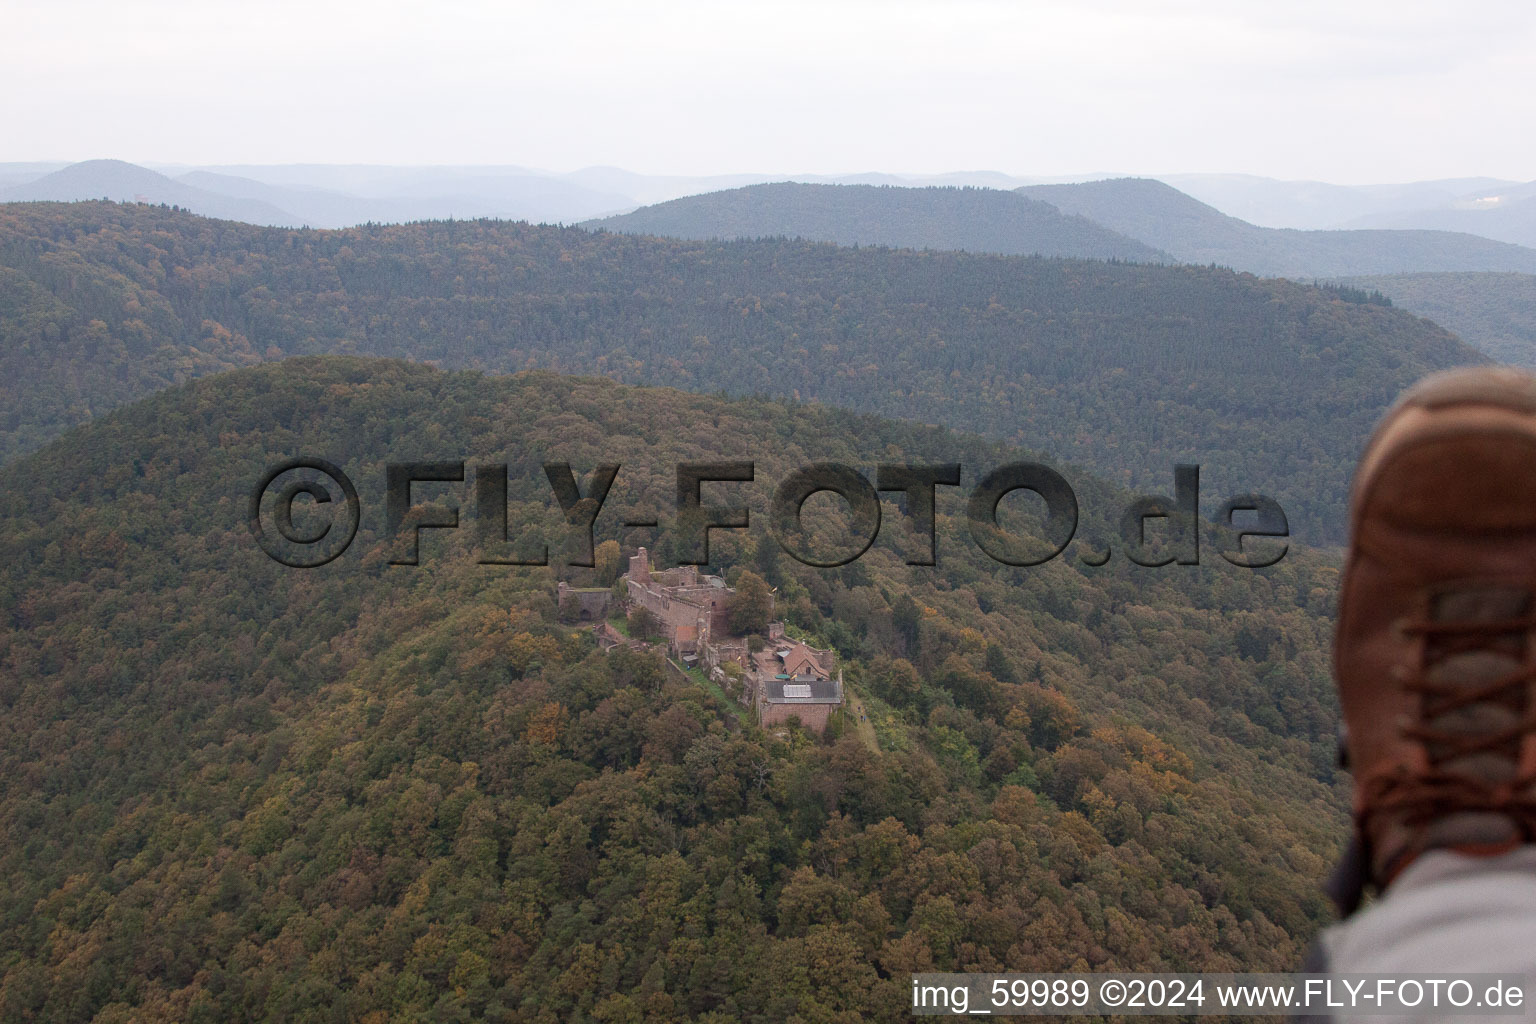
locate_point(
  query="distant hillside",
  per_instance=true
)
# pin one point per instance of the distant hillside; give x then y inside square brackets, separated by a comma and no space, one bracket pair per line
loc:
[1124,368]
[1508,214]
[1165,218]
[1126,218]
[503,196]
[340,195]
[972,219]
[234,791]
[21,173]
[492,193]
[1493,312]
[317,208]
[126,183]
[1313,205]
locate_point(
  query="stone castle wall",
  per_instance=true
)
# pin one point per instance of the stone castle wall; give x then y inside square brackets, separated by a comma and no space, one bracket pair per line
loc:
[814,717]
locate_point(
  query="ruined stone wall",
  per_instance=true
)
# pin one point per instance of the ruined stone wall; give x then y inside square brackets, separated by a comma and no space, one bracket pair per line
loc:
[814,717]
[590,605]
[679,620]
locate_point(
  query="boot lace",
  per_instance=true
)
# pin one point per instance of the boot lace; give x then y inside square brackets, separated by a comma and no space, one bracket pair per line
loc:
[1442,791]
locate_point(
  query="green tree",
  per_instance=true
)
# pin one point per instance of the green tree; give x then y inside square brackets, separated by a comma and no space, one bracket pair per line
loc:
[751,606]
[643,624]
[1000,665]
[609,561]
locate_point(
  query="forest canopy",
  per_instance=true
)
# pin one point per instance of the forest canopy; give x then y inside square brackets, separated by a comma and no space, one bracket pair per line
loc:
[241,791]
[1122,368]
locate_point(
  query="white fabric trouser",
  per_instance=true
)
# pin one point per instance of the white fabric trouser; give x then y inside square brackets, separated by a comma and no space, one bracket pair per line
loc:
[1447,913]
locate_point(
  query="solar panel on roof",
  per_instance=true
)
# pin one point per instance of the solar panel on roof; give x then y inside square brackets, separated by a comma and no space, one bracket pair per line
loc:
[796,690]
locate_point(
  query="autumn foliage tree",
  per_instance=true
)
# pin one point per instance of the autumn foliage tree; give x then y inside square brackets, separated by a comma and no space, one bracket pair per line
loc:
[237,791]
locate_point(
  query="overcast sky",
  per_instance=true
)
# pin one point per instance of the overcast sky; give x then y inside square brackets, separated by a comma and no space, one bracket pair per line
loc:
[1351,92]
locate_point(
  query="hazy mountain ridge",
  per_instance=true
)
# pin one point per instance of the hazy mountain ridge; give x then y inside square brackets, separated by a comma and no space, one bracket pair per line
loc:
[1162,216]
[1166,223]
[1508,214]
[977,220]
[127,183]
[506,195]
[1321,205]
[339,195]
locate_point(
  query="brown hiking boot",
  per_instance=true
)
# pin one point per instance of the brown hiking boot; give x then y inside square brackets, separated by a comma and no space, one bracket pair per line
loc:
[1434,654]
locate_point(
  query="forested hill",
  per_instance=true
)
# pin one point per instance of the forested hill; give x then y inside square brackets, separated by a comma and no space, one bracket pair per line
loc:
[1125,368]
[236,791]
[1494,312]
[1162,216]
[973,219]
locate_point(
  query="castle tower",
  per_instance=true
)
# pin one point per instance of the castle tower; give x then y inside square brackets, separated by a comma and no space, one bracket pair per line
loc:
[640,566]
